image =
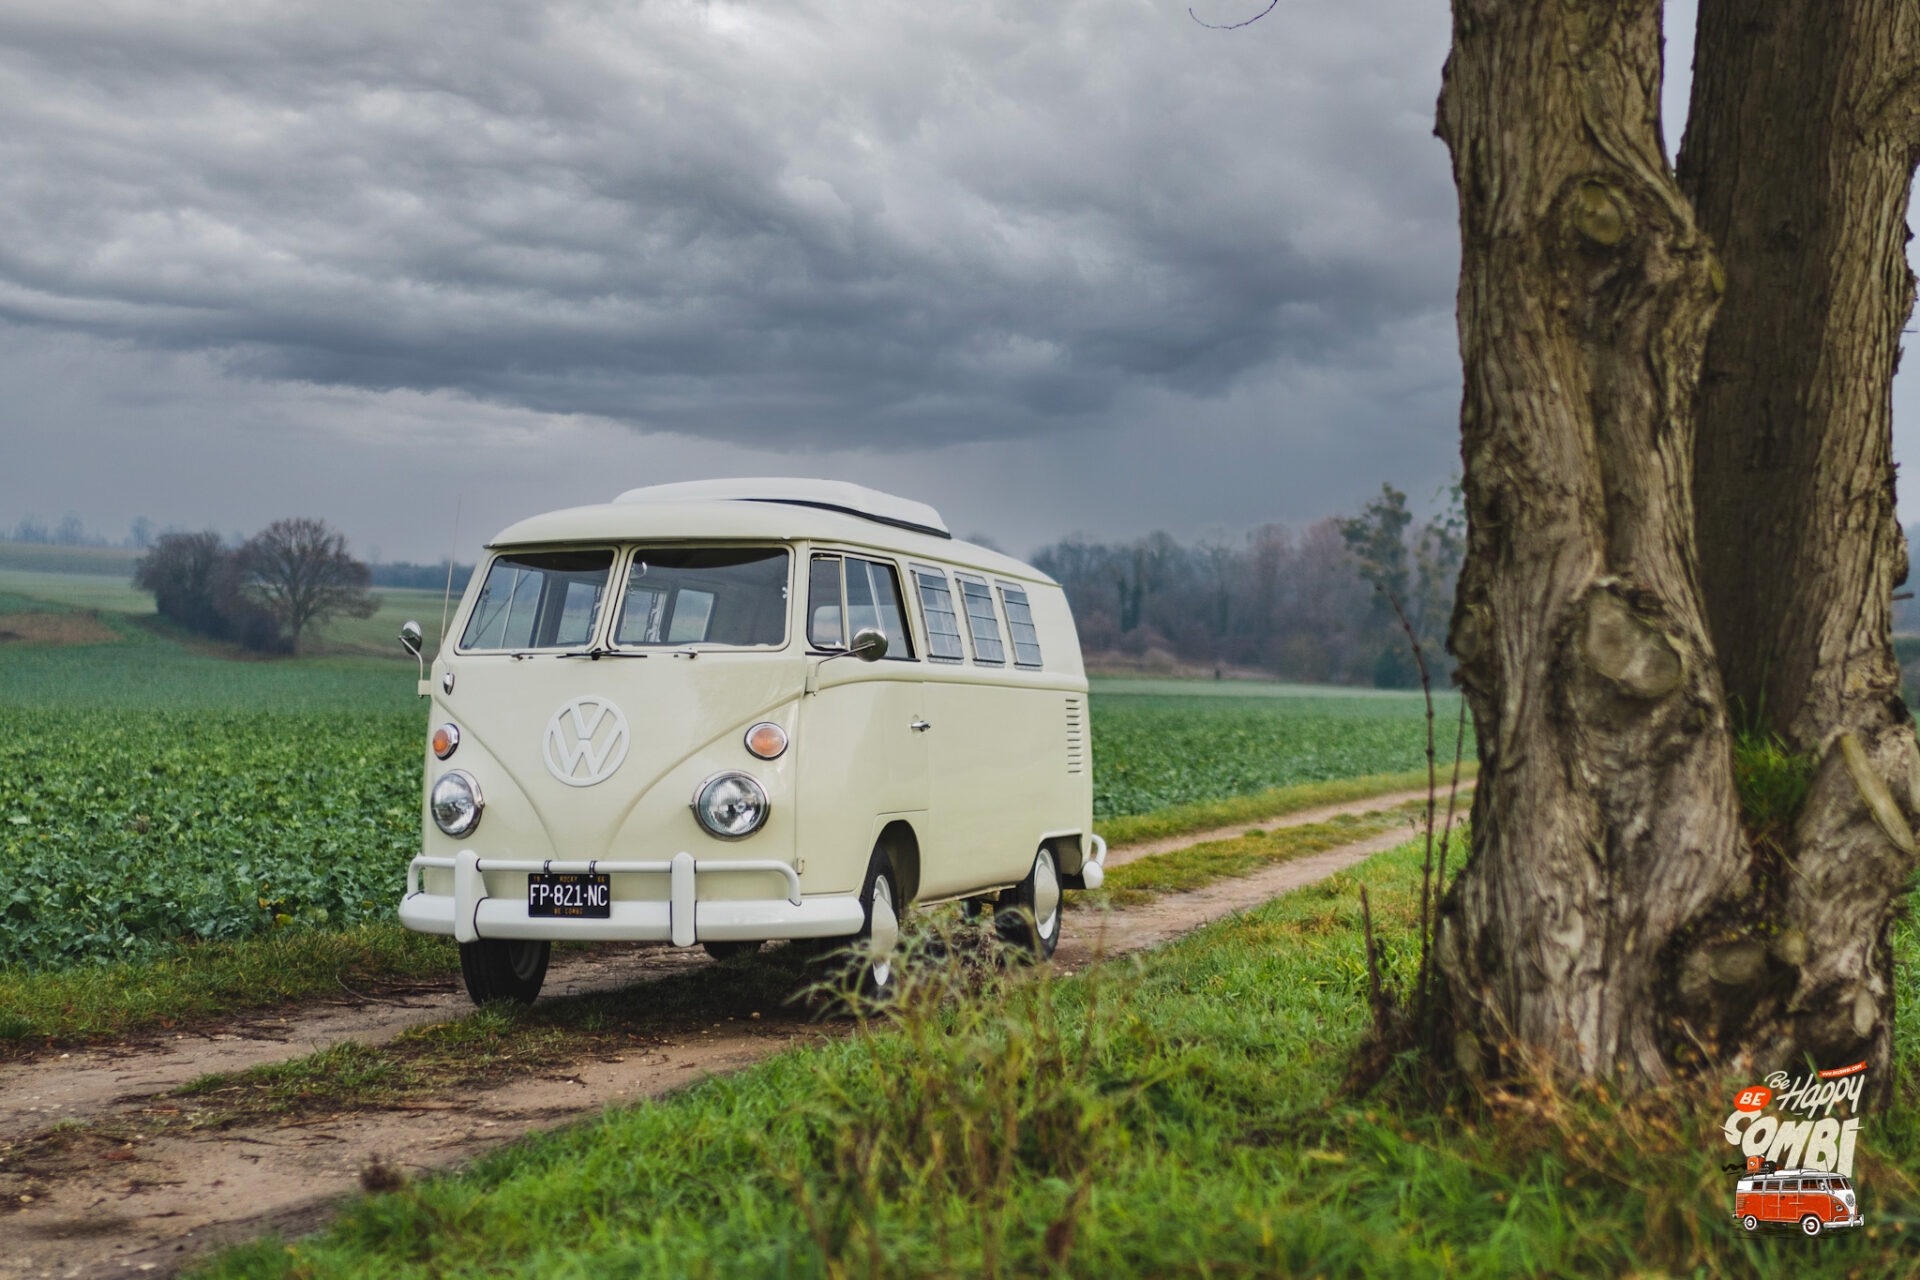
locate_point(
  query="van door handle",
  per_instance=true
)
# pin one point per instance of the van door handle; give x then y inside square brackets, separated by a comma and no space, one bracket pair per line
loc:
[919,726]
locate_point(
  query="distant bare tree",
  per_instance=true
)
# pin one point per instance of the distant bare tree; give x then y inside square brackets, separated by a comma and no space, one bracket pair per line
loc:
[183,571]
[299,571]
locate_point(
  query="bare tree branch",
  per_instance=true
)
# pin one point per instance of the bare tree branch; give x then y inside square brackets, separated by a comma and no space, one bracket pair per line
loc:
[1234,26]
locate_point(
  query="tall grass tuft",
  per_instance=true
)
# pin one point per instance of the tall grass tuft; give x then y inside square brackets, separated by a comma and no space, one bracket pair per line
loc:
[994,1078]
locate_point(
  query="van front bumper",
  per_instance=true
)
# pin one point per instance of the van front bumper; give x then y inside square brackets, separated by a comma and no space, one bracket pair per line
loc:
[468,914]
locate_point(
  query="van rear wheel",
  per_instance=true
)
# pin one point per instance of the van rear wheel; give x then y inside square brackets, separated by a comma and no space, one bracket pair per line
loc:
[1751,1223]
[501,969]
[880,896]
[1027,916]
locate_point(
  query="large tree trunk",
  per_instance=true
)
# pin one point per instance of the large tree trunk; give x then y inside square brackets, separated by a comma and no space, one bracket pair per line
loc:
[1799,158]
[1606,836]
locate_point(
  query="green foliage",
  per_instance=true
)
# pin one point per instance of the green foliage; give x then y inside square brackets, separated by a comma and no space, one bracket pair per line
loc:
[1150,752]
[121,835]
[1772,781]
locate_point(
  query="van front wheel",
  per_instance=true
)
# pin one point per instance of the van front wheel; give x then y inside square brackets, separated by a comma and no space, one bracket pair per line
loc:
[1811,1225]
[498,969]
[1027,916]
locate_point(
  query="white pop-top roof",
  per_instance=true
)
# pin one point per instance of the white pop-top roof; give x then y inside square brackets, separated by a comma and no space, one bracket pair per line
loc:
[831,495]
[776,510]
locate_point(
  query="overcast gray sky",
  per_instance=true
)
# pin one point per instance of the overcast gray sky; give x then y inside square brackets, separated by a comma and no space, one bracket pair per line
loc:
[1079,266]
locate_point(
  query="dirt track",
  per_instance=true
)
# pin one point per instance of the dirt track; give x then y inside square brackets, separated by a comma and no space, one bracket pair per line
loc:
[84,1204]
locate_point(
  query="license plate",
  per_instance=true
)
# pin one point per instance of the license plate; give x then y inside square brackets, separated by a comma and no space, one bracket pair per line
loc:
[583,897]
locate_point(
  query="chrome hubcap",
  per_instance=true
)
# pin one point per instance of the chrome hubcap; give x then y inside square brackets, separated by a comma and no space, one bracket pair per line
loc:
[884,930]
[1046,894]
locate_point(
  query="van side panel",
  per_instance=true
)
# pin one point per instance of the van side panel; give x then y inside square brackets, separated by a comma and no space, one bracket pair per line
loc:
[857,757]
[1004,763]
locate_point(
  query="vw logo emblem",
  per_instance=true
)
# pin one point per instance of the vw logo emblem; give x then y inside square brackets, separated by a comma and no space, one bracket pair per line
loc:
[586,741]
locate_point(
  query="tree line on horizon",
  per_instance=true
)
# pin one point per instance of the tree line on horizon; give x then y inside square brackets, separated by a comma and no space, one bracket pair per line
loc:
[1313,605]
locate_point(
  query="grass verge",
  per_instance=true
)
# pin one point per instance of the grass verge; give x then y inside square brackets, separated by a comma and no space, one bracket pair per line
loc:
[1206,815]
[210,981]
[1179,870]
[1183,1115]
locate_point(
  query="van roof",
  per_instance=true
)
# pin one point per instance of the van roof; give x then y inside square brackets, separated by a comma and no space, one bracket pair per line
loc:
[633,518]
[829,495]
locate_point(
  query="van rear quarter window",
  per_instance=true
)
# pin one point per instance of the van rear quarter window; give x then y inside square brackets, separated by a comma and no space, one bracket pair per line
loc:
[705,595]
[539,600]
[1026,639]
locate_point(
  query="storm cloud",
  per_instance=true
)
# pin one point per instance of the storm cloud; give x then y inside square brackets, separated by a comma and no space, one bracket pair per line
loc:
[859,226]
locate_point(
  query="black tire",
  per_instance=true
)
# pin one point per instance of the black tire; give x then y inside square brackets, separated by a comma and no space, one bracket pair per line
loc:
[724,951]
[1811,1225]
[498,969]
[1027,916]
[879,978]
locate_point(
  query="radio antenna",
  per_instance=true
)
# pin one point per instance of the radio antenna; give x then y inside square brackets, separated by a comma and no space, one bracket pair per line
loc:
[447,604]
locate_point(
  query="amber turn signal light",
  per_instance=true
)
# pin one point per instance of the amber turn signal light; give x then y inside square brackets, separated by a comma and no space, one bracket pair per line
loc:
[767,740]
[445,740]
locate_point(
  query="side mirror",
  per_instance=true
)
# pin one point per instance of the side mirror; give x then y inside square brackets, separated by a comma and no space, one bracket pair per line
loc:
[411,640]
[869,644]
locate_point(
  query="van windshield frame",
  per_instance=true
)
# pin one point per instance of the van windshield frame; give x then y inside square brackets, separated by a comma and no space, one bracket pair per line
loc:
[542,592]
[676,596]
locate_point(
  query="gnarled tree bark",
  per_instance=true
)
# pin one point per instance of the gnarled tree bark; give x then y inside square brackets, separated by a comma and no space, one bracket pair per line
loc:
[1613,916]
[1605,824]
[1801,142]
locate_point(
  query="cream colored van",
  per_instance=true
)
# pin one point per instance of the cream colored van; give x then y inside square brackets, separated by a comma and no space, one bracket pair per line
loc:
[726,712]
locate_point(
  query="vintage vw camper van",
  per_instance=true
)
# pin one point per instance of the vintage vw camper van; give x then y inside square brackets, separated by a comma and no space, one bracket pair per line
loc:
[725,712]
[1811,1199]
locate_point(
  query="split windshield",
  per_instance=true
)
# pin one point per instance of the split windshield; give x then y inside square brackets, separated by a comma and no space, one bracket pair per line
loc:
[539,600]
[733,596]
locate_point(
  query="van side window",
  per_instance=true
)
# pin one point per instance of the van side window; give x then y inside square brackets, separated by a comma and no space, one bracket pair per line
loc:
[873,600]
[824,606]
[981,624]
[936,604]
[870,598]
[1026,640]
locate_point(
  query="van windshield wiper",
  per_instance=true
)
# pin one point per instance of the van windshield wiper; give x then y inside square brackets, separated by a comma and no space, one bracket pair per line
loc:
[601,651]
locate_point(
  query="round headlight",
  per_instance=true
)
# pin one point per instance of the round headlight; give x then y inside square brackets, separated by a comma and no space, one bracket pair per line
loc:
[456,802]
[731,805]
[446,740]
[767,740]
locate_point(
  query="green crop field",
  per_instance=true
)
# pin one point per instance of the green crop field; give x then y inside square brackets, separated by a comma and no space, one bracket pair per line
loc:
[153,790]
[1166,742]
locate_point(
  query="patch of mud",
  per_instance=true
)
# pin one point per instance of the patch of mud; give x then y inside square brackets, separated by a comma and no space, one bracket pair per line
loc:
[36,627]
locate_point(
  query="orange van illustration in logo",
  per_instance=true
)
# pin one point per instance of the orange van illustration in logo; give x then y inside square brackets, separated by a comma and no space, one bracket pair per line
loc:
[1808,1200]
